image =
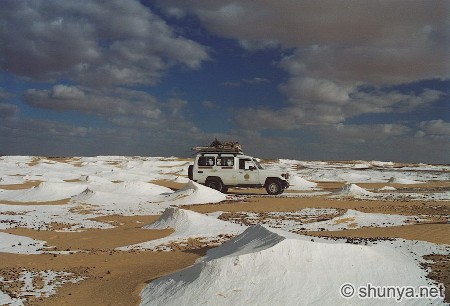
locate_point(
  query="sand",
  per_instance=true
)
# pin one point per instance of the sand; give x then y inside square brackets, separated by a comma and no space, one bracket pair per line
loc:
[431,232]
[115,277]
[112,277]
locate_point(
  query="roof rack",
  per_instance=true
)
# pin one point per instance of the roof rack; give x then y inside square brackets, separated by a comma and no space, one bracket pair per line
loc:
[220,147]
[217,150]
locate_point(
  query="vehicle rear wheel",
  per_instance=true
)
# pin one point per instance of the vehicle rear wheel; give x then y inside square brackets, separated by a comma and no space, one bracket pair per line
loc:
[215,184]
[274,187]
[191,172]
[224,189]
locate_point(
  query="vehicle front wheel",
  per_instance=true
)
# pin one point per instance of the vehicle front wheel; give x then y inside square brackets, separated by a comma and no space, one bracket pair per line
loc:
[214,184]
[274,187]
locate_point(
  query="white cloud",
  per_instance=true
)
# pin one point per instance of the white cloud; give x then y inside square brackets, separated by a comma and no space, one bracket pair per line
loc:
[210,104]
[8,110]
[109,102]
[379,42]
[246,81]
[321,102]
[123,107]
[64,92]
[300,90]
[332,51]
[91,42]
[371,63]
[5,95]
[434,128]
[364,132]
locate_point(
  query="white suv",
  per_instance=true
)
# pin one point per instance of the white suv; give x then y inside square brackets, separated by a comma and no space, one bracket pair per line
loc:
[221,169]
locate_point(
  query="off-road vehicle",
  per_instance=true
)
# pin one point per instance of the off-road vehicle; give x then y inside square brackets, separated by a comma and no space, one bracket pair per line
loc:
[222,166]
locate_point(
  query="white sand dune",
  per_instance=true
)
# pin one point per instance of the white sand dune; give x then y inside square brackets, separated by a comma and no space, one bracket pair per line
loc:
[298,183]
[354,190]
[186,224]
[355,219]
[45,191]
[266,267]
[194,193]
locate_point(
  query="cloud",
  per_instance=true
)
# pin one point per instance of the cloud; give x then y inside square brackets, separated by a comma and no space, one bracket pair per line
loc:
[373,64]
[25,136]
[390,142]
[26,128]
[365,132]
[316,90]
[319,102]
[210,104]
[386,142]
[91,42]
[244,81]
[333,52]
[123,107]
[5,95]
[382,41]
[294,22]
[112,102]
[434,128]
[8,110]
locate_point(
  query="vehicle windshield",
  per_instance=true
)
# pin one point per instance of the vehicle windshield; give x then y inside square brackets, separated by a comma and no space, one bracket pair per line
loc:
[257,164]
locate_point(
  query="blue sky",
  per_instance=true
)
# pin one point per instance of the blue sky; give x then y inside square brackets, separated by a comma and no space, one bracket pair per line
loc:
[333,80]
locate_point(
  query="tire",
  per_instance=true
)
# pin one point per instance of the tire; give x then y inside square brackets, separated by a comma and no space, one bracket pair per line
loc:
[224,189]
[191,172]
[274,187]
[215,184]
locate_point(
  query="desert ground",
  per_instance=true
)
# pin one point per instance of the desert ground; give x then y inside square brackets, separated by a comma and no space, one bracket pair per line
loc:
[114,230]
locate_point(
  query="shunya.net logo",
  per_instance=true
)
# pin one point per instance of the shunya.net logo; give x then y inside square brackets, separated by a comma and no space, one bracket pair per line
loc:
[397,293]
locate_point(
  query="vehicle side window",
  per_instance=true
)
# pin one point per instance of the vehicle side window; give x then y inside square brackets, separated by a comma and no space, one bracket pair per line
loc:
[225,161]
[243,163]
[206,161]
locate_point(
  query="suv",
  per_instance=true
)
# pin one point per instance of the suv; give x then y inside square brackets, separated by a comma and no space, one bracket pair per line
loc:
[220,169]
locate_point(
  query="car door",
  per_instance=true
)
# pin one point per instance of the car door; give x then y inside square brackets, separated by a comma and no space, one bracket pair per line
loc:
[227,170]
[247,172]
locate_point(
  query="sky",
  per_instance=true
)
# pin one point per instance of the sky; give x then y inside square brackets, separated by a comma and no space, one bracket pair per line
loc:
[306,80]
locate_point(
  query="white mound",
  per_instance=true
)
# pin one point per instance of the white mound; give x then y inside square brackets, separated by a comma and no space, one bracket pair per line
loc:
[93,179]
[193,193]
[377,163]
[362,165]
[404,181]
[45,191]
[354,190]
[134,188]
[264,267]
[187,224]
[190,222]
[387,188]
[131,197]
[355,219]
[299,183]
[84,196]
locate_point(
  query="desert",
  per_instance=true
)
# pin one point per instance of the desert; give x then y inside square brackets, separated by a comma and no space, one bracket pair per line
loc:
[117,230]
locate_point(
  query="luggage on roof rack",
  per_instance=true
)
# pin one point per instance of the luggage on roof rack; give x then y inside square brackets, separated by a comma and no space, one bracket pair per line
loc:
[220,147]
